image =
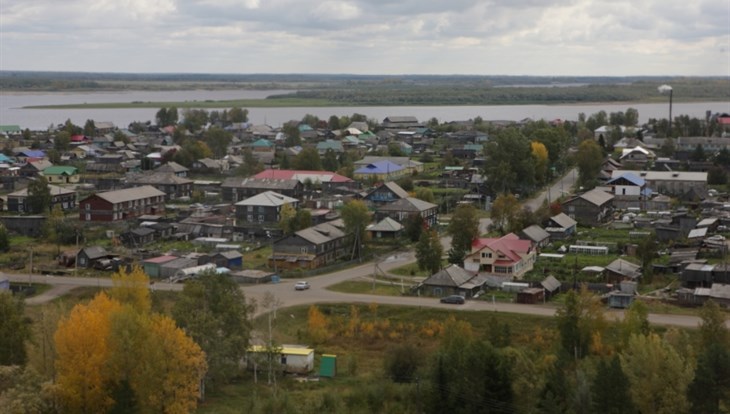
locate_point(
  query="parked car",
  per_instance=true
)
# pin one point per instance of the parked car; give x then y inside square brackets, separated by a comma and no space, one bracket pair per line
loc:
[303,285]
[453,299]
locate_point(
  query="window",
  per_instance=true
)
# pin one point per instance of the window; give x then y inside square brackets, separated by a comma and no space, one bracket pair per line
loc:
[88,217]
[303,250]
[486,255]
[88,206]
[261,218]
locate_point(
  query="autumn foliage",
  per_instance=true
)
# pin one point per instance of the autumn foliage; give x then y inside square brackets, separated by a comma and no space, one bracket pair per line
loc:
[116,344]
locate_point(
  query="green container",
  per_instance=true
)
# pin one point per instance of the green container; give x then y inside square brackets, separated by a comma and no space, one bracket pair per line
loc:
[328,366]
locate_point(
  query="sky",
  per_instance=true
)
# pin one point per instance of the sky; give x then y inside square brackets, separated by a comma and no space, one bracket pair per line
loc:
[481,37]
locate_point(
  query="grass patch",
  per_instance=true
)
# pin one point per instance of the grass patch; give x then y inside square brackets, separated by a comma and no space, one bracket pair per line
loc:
[241,103]
[363,287]
[410,269]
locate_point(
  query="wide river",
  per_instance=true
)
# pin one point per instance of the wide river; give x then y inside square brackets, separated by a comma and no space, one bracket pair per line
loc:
[13,111]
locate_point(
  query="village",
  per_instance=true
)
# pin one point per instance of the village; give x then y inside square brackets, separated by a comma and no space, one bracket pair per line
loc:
[261,204]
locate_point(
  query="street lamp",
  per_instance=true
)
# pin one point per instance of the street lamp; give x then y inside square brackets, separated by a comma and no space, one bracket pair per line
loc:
[662,89]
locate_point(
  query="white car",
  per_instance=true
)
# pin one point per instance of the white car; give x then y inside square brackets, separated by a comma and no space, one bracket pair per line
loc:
[301,285]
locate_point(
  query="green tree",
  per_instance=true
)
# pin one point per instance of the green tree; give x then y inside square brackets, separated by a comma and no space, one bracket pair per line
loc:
[329,161]
[589,159]
[402,362]
[250,165]
[356,218]
[166,116]
[580,323]
[425,194]
[238,115]
[658,376]
[413,227]
[635,322]
[716,176]
[218,141]
[14,330]
[464,227]
[62,141]
[334,122]
[214,312]
[698,154]
[291,131]
[394,149]
[611,389]
[39,196]
[470,376]
[646,250]
[510,165]
[429,252]
[90,128]
[308,159]
[4,239]
[668,148]
[194,119]
[631,118]
[504,212]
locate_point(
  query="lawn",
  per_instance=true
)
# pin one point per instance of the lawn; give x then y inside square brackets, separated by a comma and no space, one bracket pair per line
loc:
[361,286]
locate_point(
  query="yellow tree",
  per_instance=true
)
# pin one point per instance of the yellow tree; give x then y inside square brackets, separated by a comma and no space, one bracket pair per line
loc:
[82,348]
[169,351]
[132,288]
[540,154]
[316,325]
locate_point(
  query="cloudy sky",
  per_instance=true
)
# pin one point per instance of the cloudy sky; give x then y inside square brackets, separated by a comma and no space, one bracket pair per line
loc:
[486,37]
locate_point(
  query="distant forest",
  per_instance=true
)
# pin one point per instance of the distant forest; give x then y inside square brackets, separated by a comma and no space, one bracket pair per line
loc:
[392,89]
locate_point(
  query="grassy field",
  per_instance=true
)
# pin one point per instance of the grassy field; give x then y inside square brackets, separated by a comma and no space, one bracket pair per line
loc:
[365,287]
[241,103]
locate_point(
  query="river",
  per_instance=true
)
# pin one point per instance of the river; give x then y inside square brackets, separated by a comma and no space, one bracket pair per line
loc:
[12,111]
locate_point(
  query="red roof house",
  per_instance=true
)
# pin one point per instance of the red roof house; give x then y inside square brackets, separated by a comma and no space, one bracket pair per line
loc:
[506,255]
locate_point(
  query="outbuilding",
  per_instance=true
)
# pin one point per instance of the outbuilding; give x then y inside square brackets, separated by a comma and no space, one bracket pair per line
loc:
[294,359]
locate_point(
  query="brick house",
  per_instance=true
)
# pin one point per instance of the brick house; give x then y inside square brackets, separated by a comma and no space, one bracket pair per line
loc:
[122,204]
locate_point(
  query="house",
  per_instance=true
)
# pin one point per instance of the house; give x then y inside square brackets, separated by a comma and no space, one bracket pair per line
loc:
[330,144]
[670,182]
[531,296]
[627,185]
[401,122]
[230,259]
[561,227]
[208,165]
[235,189]
[506,255]
[172,167]
[638,156]
[380,171]
[61,174]
[325,179]
[34,168]
[400,210]
[293,359]
[137,237]
[536,234]
[28,155]
[88,256]
[452,280]
[173,186]
[551,286]
[385,228]
[386,193]
[620,270]
[262,145]
[312,247]
[60,196]
[590,208]
[259,216]
[411,166]
[122,204]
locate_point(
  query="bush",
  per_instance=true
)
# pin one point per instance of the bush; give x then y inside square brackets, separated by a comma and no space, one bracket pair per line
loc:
[402,362]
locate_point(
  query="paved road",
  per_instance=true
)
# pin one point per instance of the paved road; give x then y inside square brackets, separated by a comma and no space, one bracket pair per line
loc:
[559,188]
[286,295]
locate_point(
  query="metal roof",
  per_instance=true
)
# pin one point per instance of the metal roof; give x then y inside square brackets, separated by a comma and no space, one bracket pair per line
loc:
[268,199]
[130,194]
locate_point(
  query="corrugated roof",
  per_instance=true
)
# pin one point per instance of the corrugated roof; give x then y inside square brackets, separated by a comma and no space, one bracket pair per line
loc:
[160,259]
[379,167]
[130,194]
[303,175]
[387,224]
[535,233]
[321,233]
[596,197]
[60,170]
[564,220]
[408,204]
[453,276]
[267,198]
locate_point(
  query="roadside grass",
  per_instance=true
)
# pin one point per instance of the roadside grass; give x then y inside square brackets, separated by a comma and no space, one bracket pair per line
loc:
[364,287]
[410,269]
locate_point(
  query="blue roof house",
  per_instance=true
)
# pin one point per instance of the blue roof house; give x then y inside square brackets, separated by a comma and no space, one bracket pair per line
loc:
[380,170]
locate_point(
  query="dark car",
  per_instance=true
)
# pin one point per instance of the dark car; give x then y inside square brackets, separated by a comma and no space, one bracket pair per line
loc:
[454,299]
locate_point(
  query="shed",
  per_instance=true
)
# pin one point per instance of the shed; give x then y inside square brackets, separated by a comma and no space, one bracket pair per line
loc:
[531,295]
[328,366]
[620,300]
[294,359]
[4,283]
[536,234]
[191,272]
[551,285]
[153,265]
[231,259]
[169,269]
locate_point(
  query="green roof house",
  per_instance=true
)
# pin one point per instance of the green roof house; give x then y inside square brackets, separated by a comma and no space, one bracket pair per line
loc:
[61,174]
